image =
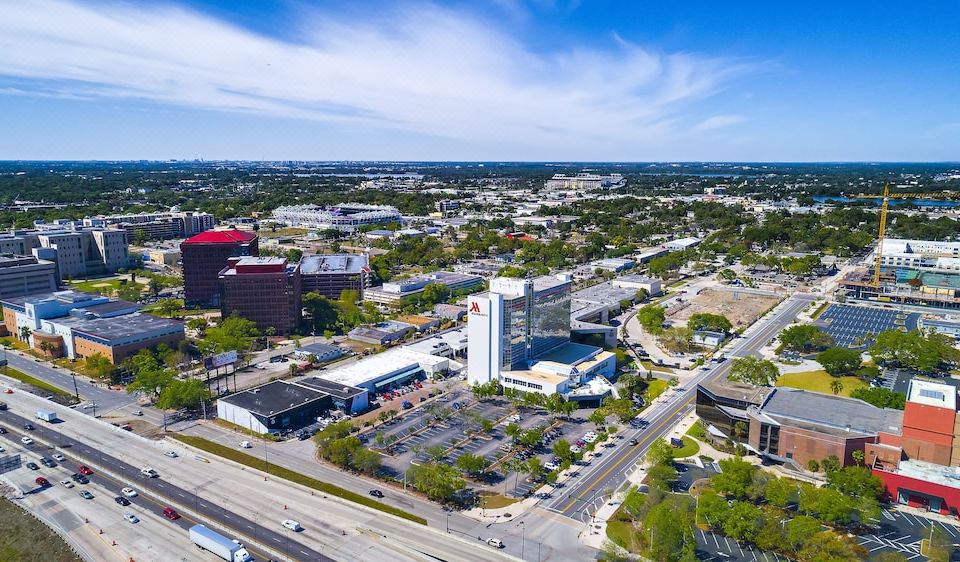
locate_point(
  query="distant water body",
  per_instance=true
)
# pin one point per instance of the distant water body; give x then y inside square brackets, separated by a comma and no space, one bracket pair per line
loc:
[879,200]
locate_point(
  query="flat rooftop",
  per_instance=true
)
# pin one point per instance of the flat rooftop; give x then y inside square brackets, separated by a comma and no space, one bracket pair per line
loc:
[570,353]
[111,307]
[124,327]
[380,365]
[737,391]
[319,264]
[830,414]
[332,388]
[322,350]
[273,398]
[530,375]
[932,394]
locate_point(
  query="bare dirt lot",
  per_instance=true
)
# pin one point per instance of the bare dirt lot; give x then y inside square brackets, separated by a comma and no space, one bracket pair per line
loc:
[742,309]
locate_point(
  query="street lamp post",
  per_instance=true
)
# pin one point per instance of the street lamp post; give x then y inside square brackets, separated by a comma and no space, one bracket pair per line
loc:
[448,522]
[76,391]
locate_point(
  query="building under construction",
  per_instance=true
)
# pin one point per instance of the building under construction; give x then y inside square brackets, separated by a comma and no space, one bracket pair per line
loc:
[911,272]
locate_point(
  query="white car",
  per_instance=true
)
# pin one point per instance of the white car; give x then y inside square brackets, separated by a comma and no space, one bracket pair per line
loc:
[26,441]
[171,454]
[58,457]
[495,543]
[67,483]
[2,450]
[131,517]
[576,450]
[292,525]
[245,445]
[137,412]
[129,492]
[551,466]
[149,472]
[515,418]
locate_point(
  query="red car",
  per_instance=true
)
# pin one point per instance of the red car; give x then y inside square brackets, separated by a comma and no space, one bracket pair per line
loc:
[41,481]
[170,513]
[84,470]
[418,385]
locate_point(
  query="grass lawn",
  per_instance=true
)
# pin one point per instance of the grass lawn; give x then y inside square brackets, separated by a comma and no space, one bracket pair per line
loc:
[35,382]
[819,381]
[689,449]
[27,539]
[651,367]
[10,341]
[287,474]
[816,313]
[621,533]
[655,388]
[494,501]
[104,286]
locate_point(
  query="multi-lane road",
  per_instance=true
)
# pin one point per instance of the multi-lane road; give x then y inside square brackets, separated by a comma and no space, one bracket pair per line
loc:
[581,496]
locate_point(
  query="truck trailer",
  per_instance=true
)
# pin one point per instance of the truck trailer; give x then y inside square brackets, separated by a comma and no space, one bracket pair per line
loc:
[212,541]
[47,415]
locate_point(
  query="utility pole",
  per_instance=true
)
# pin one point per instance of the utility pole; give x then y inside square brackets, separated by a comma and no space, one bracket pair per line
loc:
[76,391]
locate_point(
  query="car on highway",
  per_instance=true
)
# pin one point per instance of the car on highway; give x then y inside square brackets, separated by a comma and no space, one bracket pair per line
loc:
[28,426]
[42,482]
[495,543]
[137,412]
[171,454]
[131,517]
[121,500]
[87,406]
[3,430]
[84,470]
[633,442]
[376,493]
[32,465]
[58,457]
[85,494]
[47,462]
[79,478]
[26,440]
[2,450]
[170,513]
[292,525]
[148,473]
[245,445]
[129,492]
[67,483]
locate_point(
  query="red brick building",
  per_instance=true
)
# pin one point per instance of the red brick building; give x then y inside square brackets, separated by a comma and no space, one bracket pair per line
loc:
[205,255]
[265,290]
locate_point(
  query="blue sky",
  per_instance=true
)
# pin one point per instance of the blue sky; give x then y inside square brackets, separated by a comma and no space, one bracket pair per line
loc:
[496,80]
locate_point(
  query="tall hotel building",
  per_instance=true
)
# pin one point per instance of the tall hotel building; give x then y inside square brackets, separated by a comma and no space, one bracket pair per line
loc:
[516,322]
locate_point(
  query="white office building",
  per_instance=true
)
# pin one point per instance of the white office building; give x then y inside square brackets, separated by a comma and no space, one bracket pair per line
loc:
[347,217]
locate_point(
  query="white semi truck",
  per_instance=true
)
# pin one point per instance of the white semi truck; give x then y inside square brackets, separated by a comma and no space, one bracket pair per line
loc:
[209,540]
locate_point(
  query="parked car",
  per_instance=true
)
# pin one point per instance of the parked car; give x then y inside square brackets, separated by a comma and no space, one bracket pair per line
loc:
[495,543]
[67,483]
[41,481]
[292,525]
[406,405]
[32,465]
[551,466]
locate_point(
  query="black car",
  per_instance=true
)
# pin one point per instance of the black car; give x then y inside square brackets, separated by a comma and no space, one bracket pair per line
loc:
[303,435]
[32,466]
[79,478]
[3,430]
[121,500]
[47,462]
[28,426]
[376,493]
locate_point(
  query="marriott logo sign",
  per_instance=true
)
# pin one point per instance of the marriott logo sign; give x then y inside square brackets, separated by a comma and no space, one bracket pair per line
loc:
[474,307]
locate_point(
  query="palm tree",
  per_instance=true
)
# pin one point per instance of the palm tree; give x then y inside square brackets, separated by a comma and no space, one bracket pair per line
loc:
[836,386]
[25,332]
[46,347]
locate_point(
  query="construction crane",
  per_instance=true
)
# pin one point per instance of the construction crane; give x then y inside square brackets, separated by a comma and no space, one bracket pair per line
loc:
[887,196]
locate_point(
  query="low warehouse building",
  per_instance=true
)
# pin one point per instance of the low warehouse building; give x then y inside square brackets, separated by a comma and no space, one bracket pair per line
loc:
[273,407]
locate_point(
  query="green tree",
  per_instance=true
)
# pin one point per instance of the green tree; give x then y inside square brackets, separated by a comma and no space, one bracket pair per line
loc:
[660,453]
[677,339]
[780,492]
[440,482]
[130,292]
[670,526]
[713,508]
[435,293]
[804,338]
[198,324]
[914,350]
[755,371]
[839,361]
[436,452]
[880,397]
[321,312]
[709,322]
[726,275]
[662,477]
[813,465]
[743,521]
[183,394]
[735,477]
[828,546]
[940,546]
[836,386]
[99,365]
[168,308]
[471,464]
[233,334]
[651,317]
[799,530]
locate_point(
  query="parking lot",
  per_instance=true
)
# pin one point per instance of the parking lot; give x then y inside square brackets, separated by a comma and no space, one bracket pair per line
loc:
[845,323]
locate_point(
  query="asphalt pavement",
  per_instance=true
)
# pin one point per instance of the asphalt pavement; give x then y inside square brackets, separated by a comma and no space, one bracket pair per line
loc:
[212,515]
[583,495]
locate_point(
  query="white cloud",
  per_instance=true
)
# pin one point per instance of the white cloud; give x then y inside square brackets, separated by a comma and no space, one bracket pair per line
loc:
[718,121]
[421,69]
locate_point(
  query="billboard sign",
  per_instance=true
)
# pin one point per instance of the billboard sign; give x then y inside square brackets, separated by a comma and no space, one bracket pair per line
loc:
[220,360]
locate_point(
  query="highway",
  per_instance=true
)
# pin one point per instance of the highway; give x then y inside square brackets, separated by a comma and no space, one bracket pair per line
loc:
[211,515]
[582,495]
